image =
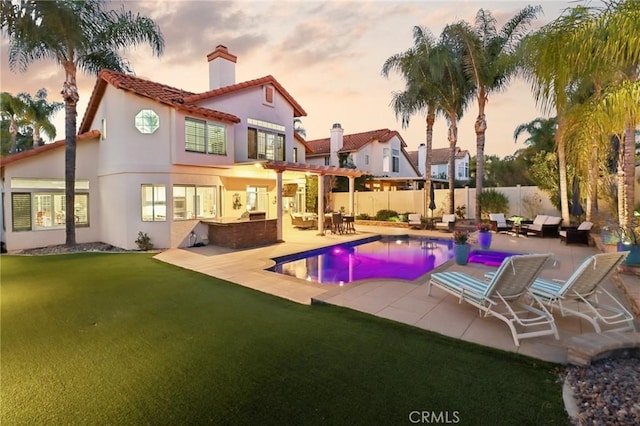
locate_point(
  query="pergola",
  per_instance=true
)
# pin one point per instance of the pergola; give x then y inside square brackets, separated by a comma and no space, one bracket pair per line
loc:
[280,167]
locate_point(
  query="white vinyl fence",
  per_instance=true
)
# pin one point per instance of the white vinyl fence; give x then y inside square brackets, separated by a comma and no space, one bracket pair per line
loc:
[527,201]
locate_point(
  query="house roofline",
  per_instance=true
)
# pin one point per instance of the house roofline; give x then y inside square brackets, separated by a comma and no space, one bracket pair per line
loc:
[93,134]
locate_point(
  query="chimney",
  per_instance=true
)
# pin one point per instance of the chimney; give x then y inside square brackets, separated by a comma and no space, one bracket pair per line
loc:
[335,144]
[422,157]
[222,68]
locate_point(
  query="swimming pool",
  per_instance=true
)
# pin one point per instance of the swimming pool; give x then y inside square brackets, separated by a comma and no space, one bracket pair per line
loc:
[400,257]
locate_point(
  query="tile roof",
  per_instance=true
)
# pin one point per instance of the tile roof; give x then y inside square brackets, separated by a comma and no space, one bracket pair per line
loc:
[158,92]
[438,155]
[354,141]
[297,109]
[93,134]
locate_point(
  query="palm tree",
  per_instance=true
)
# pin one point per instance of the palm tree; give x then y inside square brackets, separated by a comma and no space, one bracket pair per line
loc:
[603,49]
[489,63]
[76,34]
[453,93]
[38,114]
[297,127]
[417,67]
[12,109]
[541,138]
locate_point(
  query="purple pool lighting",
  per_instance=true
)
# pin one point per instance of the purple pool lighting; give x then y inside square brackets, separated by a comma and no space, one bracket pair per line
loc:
[488,257]
[401,257]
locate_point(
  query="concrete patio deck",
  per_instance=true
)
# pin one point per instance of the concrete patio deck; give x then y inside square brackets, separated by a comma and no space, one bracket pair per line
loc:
[404,301]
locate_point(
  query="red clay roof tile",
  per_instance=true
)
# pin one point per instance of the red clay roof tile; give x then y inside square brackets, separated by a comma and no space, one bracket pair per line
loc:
[354,141]
[297,109]
[93,134]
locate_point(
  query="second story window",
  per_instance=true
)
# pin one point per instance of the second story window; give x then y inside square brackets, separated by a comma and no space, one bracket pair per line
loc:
[267,143]
[204,137]
[327,161]
[395,165]
[295,155]
[385,160]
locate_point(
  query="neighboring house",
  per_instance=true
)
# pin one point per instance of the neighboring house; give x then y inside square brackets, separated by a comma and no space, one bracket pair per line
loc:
[440,162]
[380,153]
[167,162]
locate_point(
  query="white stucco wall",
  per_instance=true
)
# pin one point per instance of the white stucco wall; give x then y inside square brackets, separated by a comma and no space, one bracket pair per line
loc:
[50,165]
[250,103]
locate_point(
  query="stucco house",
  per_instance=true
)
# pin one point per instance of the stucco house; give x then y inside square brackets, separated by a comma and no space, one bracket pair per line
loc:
[380,153]
[177,165]
[440,162]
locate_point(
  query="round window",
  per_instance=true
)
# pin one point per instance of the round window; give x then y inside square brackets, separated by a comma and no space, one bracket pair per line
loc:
[147,121]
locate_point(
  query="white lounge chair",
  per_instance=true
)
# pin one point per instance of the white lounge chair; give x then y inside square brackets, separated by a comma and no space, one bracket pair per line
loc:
[583,287]
[505,289]
[448,221]
[415,220]
[499,222]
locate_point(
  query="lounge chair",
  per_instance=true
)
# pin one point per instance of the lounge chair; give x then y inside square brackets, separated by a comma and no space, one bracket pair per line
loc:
[448,221]
[505,289]
[583,287]
[499,222]
[415,220]
[579,235]
[545,226]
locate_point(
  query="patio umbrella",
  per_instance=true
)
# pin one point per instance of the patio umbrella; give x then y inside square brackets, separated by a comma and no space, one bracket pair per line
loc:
[432,196]
[576,207]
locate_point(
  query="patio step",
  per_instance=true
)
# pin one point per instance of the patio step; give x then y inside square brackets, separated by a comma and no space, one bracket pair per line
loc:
[585,348]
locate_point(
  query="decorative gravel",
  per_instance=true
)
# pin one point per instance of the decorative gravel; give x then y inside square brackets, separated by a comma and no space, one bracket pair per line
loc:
[607,392]
[78,248]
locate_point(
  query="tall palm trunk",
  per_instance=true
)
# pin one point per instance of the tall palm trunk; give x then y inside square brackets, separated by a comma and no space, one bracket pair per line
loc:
[71,97]
[629,172]
[562,168]
[431,118]
[453,140]
[36,136]
[620,184]
[480,128]
[13,131]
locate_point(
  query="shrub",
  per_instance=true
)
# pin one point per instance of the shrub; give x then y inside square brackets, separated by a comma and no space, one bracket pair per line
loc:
[461,212]
[492,201]
[144,241]
[363,216]
[386,214]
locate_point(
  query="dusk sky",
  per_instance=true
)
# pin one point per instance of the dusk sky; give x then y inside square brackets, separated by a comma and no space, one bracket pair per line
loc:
[328,55]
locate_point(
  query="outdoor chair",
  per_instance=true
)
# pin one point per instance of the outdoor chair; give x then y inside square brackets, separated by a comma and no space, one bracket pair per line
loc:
[545,226]
[507,286]
[299,221]
[583,288]
[579,235]
[337,226]
[499,222]
[415,220]
[448,222]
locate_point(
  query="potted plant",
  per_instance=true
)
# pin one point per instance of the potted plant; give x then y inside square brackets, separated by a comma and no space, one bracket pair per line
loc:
[484,236]
[461,247]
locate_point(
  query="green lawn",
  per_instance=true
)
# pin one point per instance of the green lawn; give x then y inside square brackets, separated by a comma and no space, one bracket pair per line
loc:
[119,339]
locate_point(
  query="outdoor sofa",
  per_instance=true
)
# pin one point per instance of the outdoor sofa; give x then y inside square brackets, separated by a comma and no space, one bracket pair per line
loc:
[545,226]
[303,222]
[576,235]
